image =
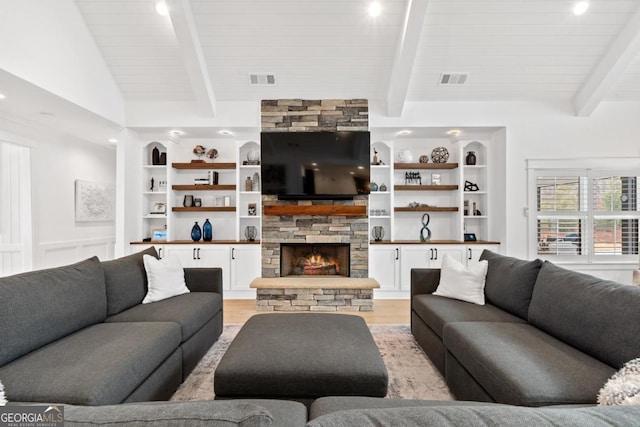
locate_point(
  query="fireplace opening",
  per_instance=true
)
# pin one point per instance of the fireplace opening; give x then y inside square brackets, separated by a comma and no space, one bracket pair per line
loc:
[314,259]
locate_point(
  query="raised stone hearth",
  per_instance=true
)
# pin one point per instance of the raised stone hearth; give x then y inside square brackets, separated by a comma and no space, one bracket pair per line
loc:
[314,294]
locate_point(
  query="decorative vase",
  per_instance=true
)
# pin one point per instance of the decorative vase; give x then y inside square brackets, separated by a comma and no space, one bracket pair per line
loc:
[471,158]
[253,156]
[187,202]
[155,156]
[255,182]
[373,186]
[250,233]
[196,232]
[248,184]
[207,231]
[405,156]
[383,187]
[377,233]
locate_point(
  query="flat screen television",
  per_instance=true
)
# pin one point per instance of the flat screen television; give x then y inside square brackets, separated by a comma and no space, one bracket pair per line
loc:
[315,165]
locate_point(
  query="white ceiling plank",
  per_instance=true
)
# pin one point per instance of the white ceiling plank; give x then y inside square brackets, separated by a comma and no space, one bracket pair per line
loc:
[195,62]
[405,56]
[610,69]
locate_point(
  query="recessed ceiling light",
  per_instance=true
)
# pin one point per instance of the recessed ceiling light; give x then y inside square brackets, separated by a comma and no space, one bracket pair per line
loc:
[225,132]
[360,167]
[161,8]
[176,132]
[580,8]
[2,96]
[113,140]
[453,132]
[404,132]
[375,9]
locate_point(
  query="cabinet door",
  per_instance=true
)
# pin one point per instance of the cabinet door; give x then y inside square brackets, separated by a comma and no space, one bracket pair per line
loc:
[456,252]
[186,254]
[384,266]
[474,252]
[413,256]
[215,256]
[245,266]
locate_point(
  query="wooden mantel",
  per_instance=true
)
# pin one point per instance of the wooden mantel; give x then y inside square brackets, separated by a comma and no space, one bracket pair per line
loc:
[328,210]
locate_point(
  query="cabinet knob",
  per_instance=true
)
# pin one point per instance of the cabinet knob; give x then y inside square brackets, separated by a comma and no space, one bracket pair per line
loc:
[160,253]
[397,254]
[470,254]
[436,251]
[194,253]
[233,253]
[198,253]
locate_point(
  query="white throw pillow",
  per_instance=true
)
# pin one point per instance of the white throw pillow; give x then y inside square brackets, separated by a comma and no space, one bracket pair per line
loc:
[461,282]
[623,388]
[165,277]
[3,398]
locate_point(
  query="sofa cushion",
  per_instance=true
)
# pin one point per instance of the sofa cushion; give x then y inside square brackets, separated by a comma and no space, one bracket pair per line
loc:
[510,282]
[495,415]
[191,311]
[99,365]
[623,388]
[436,312]
[596,316]
[126,280]
[39,307]
[168,414]
[520,365]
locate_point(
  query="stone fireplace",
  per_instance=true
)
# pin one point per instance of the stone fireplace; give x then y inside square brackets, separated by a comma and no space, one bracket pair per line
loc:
[316,259]
[295,232]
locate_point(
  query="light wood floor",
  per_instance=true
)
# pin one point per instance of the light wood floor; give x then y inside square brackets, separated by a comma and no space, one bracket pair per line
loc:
[390,311]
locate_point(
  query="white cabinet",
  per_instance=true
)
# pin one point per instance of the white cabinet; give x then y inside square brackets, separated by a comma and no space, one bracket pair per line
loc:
[245,266]
[474,251]
[384,266]
[425,256]
[201,256]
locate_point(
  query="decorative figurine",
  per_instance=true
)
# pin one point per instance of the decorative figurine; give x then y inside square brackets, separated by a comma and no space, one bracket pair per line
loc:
[425,228]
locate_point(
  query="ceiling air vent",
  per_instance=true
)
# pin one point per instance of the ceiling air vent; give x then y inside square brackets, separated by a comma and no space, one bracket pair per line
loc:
[453,79]
[262,79]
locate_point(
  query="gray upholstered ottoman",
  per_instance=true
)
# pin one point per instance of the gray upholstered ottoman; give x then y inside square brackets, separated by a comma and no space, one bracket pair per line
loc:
[301,357]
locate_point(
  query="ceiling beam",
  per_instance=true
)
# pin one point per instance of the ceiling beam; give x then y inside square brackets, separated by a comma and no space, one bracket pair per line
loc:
[608,72]
[184,28]
[405,56]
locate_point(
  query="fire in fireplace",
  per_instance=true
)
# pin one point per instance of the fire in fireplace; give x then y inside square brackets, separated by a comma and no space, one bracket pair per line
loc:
[317,259]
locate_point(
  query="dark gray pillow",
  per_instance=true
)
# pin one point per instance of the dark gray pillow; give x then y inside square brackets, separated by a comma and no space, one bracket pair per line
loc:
[598,317]
[39,307]
[126,281]
[510,282]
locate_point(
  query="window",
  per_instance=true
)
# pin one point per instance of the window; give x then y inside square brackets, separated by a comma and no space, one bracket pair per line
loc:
[585,215]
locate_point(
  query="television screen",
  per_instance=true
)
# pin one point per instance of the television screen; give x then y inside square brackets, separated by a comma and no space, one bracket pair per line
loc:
[308,165]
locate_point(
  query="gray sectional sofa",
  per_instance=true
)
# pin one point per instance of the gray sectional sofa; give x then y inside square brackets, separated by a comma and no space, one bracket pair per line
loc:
[79,334]
[546,335]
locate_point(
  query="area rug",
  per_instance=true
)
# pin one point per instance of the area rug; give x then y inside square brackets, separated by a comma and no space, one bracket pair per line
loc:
[411,373]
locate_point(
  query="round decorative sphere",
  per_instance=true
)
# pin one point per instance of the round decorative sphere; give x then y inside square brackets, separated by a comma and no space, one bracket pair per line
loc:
[440,155]
[424,159]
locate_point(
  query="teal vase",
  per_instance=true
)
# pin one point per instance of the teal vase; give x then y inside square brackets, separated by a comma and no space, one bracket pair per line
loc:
[207,231]
[196,232]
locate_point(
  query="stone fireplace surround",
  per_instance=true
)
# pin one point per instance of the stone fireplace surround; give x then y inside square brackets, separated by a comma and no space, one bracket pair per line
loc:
[327,293]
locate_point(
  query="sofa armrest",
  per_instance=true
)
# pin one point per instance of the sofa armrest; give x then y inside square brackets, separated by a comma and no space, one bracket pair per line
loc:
[424,280]
[203,279]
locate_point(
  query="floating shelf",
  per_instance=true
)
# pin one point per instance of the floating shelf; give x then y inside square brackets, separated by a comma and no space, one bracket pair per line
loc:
[425,187]
[425,165]
[203,165]
[315,210]
[203,187]
[206,209]
[426,209]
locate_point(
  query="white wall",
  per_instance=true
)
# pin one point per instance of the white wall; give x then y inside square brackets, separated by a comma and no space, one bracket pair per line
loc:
[56,163]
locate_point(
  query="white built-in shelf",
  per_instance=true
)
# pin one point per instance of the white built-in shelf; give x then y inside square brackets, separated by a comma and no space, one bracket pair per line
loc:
[153,193]
[249,216]
[155,166]
[155,216]
[380,192]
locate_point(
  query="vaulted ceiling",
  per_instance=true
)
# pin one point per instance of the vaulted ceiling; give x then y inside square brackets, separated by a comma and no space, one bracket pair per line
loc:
[204,51]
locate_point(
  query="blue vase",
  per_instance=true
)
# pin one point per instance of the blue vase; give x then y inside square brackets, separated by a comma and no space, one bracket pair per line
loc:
[196,233]
[207,231]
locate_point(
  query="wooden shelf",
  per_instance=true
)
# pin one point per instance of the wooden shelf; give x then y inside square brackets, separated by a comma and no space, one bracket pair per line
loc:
[201,187]
[203,165]
[315,210]
[425,187]
[426,209]
[205,209]
[425,165]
